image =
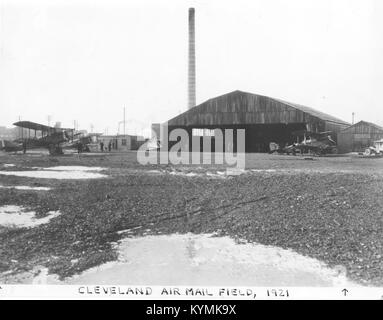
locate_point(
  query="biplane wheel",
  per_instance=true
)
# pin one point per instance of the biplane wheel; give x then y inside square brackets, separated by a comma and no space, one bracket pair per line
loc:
[55,150]
[52,149]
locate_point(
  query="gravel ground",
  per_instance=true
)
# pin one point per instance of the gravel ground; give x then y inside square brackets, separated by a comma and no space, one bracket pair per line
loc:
[326,208]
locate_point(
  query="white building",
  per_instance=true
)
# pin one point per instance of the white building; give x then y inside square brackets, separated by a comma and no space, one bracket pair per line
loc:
[120,142]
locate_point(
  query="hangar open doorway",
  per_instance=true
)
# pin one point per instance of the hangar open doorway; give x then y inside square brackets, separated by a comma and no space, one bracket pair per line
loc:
[257,136]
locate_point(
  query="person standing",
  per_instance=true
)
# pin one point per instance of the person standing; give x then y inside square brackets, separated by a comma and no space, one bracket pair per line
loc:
[79,147]
[110,145]
[102,146]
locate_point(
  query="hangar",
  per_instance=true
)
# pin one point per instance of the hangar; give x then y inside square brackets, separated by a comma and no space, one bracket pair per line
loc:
[265,119]
[359,136]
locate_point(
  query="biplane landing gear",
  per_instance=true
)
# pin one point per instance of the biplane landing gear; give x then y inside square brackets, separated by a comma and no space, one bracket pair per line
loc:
[55,150]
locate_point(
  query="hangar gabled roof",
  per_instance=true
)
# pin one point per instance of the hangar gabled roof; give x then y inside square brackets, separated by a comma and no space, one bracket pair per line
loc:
[314,112]
[249,107]
[363,123]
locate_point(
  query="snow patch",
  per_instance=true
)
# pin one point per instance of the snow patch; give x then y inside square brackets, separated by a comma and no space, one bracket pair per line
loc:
[191,259]
[73,168]
[60,172]
[26,188]
[16,216]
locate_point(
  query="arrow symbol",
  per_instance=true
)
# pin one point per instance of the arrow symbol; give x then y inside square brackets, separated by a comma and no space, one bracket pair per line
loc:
[345,291]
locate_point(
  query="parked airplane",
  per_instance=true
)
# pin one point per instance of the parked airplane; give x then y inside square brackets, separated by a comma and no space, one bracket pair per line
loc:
[317,143]
[83,142]
[51,138]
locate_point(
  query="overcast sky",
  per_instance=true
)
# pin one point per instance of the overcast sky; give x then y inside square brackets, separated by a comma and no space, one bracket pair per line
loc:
[86,60]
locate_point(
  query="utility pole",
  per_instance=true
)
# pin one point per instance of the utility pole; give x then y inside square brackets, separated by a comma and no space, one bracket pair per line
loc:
[192,63]
[353,115]
[75,125]
[21,129]
[124,121]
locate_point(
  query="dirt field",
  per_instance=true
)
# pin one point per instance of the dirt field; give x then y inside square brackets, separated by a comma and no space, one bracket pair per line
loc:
[326,208]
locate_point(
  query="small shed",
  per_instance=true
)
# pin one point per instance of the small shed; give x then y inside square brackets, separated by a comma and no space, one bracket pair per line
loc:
[358,137]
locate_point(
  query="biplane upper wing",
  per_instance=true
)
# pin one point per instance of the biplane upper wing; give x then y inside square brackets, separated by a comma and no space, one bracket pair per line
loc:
[39,127]
[32,125]
[320,134]
[310,133]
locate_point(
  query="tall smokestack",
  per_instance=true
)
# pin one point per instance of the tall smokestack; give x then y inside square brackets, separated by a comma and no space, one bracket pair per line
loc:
[191,73]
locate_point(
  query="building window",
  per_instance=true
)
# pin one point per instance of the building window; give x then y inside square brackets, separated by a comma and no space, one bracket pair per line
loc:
[123,142]
[203,132]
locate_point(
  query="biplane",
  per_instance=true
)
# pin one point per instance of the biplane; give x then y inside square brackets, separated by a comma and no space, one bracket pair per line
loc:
[318,143]
[314,142]
[52,138]
[82,142]
[42,136]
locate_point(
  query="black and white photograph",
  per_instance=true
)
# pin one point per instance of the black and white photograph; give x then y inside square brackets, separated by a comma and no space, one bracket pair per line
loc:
[191,150]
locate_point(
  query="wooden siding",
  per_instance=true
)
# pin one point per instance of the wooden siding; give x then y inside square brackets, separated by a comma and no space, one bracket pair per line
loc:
[358,137]
[241,108]
[349,142]
[363,127]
